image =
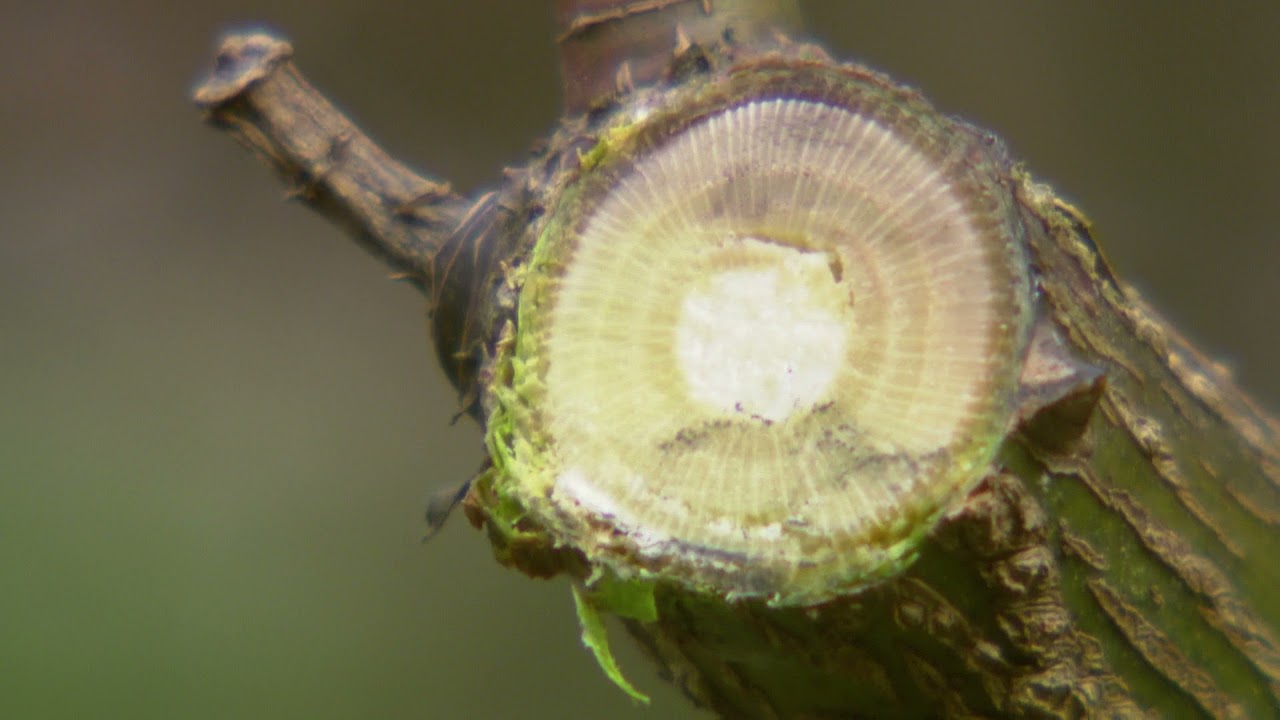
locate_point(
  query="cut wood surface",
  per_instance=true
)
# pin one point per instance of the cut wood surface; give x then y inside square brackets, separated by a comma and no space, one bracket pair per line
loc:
[1118,561]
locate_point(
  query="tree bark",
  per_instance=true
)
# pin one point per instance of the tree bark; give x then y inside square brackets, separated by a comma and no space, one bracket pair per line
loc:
[1118,562]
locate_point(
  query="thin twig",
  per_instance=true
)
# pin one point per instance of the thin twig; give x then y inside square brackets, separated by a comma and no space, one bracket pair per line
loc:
[256,94]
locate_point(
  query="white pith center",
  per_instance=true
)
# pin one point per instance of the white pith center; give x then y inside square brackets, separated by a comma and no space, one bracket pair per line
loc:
[765,340]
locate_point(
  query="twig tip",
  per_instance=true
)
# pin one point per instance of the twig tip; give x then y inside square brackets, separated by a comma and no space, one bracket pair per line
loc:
[243,59]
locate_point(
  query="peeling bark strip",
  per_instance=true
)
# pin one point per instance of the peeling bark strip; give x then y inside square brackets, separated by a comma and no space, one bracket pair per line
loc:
[1164,655]
[1118,562]
[1196,556]
[1200,576]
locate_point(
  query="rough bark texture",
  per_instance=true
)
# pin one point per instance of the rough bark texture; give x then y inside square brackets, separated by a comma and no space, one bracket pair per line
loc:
[610,45]
[257,95]
[1120,563]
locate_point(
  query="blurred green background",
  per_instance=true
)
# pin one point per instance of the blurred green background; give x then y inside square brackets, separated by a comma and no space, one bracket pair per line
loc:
[220,420]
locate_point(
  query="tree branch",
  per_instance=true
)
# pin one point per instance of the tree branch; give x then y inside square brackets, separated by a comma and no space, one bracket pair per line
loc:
[256,94]
[610,46]
[1127,572]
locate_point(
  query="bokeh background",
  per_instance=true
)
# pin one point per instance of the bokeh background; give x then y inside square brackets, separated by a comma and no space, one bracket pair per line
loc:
[219,420]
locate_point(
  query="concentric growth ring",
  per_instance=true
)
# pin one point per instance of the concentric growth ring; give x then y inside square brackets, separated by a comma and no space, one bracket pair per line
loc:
[772,347]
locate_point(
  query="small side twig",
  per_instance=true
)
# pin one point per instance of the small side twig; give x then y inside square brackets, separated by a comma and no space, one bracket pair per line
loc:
[256,94]
[609,46]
